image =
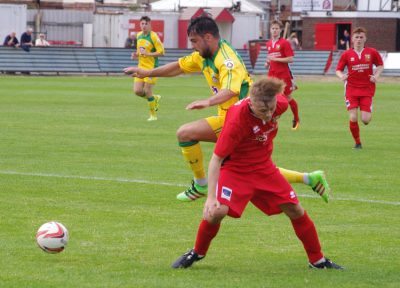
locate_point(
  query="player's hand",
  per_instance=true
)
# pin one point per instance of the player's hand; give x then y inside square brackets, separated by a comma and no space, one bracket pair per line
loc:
[136,72]
[373,78]
[210,207]
[344,77]
[134,56]
[199,104]
[266,64]
[270,58]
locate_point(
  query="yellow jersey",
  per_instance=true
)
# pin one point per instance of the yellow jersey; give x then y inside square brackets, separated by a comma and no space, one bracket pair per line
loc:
[225,70]
[149,43]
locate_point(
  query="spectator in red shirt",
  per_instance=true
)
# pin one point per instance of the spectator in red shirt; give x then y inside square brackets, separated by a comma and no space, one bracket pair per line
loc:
[280,54]
[241,171]
[359,80]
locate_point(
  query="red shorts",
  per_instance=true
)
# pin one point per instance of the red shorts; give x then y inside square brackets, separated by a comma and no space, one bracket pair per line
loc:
[266,191]
[364,102]
[289,87]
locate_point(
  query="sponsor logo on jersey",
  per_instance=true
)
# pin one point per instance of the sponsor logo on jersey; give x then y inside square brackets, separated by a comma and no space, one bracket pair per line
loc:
[226,193]
[229,64]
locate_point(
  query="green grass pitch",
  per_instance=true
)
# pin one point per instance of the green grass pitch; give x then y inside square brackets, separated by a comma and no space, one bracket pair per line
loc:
[79,150]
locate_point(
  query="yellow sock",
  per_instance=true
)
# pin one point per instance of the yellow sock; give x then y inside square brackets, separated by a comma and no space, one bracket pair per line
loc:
[193,155]
[292,176]
[152,106]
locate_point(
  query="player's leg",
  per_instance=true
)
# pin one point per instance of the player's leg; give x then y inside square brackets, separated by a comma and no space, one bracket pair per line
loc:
[352,104]
[366,109]
[307,233]
[316,180]
[152,100]
[354,128]
[189,135]
[206,232]
[138,87]
[233,192]
[289,88]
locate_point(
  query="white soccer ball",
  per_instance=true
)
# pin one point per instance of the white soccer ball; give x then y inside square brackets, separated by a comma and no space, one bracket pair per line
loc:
[52,237]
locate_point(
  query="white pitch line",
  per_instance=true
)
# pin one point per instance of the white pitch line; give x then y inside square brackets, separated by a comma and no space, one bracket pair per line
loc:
[8,172]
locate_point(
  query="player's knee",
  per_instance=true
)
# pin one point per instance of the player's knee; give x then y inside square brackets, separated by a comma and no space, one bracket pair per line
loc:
[139,92]
[353,118]
[366,120]
[183,133]
[293,211]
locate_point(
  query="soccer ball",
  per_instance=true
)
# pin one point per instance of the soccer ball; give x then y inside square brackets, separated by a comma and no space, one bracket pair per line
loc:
[52,237]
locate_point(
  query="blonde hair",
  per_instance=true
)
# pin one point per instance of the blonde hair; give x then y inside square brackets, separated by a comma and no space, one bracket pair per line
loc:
[266,89]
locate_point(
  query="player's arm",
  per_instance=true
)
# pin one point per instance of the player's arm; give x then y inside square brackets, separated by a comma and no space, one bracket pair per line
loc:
[222,96]
[281,60]
[340,68]
[377,73]
[213,174]
[168,70]
[341,75]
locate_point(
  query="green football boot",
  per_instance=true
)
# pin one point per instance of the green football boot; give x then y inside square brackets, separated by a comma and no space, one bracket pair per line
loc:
[318,183]
[193,193]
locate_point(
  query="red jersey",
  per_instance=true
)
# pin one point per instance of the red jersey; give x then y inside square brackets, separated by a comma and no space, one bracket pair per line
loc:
[246,141]
[359,68]
[279,49]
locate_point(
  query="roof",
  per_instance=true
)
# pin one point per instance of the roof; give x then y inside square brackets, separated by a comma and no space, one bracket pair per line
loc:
[175,5]
[219,14]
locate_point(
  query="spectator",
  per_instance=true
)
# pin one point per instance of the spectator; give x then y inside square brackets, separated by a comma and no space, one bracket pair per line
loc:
[344,42]
[11,40]
[294,41]
[26,39]
[131,41]
[41,42]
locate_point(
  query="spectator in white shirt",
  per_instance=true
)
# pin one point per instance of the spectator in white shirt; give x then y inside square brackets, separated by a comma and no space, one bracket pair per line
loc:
[41,42]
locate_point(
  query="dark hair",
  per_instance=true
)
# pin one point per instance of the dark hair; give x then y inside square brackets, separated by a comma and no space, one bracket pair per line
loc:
[145,18]
[203,25]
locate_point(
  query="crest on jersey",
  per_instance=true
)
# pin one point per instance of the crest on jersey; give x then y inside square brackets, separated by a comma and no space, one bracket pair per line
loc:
[367,57]
[229,64]
[352,59]
[256,129]
[214,78]
[278,46]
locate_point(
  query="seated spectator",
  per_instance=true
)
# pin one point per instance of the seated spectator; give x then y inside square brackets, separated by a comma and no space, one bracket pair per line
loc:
[41,42]
[11,40]
[131,41]
[26,39]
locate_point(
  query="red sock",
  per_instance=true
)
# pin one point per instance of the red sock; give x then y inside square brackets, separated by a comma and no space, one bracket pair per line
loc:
[205,235]
[295,109]
[306,232]
[355,131]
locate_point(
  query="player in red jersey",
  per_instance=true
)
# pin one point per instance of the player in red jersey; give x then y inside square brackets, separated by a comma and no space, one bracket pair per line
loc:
[359,80]
[241,171]
[280,54]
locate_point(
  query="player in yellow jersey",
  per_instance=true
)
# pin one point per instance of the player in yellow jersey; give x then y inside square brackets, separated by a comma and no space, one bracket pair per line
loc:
[229,82]
[149,48]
